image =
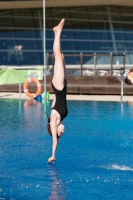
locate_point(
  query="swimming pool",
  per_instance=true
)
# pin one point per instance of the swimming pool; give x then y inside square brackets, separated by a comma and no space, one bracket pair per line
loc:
[94,157]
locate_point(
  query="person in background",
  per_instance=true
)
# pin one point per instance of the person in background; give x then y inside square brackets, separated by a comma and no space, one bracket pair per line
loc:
[129,77]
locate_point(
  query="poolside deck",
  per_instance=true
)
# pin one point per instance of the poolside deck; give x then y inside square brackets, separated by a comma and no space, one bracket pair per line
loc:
[116,98]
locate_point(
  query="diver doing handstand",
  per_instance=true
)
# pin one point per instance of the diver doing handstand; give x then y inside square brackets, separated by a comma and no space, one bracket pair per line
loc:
[59,85]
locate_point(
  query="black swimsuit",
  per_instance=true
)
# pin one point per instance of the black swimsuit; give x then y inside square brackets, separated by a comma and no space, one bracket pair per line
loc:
[127,81]
[60,104]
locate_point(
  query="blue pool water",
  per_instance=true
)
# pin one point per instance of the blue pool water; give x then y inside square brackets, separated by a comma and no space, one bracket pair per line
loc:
[94,157]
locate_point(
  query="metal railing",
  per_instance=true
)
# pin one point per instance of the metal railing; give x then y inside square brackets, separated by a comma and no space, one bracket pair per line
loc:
[94,69]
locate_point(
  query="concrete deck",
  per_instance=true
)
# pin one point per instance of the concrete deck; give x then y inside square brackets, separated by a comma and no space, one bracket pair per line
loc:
[74,97]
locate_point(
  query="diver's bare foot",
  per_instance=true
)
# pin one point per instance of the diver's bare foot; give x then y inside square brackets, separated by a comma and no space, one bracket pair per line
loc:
[60,26]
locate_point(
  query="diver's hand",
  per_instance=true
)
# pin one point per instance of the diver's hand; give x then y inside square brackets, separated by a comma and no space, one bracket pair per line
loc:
[51,159]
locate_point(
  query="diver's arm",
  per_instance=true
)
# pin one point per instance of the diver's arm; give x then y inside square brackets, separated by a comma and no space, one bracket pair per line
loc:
[53,125]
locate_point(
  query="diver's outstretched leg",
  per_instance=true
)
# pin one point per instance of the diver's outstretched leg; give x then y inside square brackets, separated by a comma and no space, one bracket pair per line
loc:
[59,72]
